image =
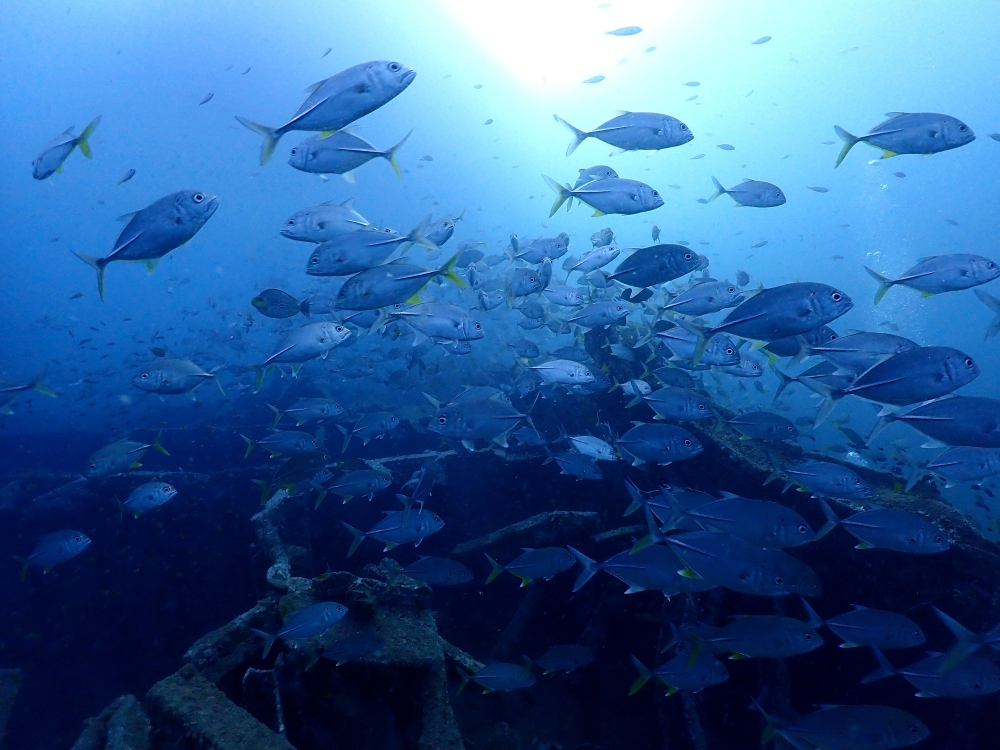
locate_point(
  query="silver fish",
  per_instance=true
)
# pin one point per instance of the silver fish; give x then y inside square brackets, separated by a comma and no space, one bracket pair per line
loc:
[51,159]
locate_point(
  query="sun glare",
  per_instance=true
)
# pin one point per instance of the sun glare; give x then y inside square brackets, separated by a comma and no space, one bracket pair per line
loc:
[560,42]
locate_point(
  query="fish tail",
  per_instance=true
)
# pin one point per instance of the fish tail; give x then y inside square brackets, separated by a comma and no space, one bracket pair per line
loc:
[775,466]
[465,677]
[83,142]
[416,236]
[268,641]
[320,496]
[304,307]
[271,138]
[849,141]
[964,648]
[562,195]
[578,135]
[497,569]
[157,445]
[98,264]
[783,382]
[994,304]
[916,474]
[642,679]
[250,444]
[390,155]
[881,424]
[448,271]
[38,385]
[265,488]
[636,496]
[359,536]
[277,416]
[719,190]
[814,620]
[885,669]
[651,537]
[884,284]
[831,520]
[347,437]
[590,567]
[258,381]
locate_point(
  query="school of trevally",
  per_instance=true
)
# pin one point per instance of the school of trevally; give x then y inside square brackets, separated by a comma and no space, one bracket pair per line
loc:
[526,375]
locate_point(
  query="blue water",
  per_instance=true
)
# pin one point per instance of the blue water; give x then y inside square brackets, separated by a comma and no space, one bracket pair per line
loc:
[144,67]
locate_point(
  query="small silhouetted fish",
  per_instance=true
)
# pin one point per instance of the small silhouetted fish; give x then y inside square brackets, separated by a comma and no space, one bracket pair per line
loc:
[691,98]
[478,86]
[899,174]
[703,201]
[837,257]
[77,295]
[207,98]
[127,176]
[748,93]
[760,244]
[594,79]
[675,187]
[762,40]
[692,83]
[995,136]
[699,156]
[245,71]
[328,51]
[650,49]
[488,122]
[828,143]
[159,351]
[848,50]
[845,225]
[727,147]
[625,31]
[818,189]
[952,222]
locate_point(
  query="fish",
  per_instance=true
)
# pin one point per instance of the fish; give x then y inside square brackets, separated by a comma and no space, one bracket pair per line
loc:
[438,571]
[119,456]
[973,676]
[679,404]
[767,636]
[354,252]
[567,659]
[498,677]
[468,420]
[859,352]
[545,247]
[594,79]
[599,314]
[824,479]
[762,40]
[849,728]
[129,174]
[593,447]
[576,465]
[391,284]
[899,174]
[399,527]
[55,548]
[651,568]
[564,372]
[590,174]
[625,31]
[683,672]
[612,195]
[336,102]
[958,464]
[56,151]
[937,274]
[762,523]
[596,258]
[532,564]
[754,193]
[206,99]
[324,222]
[341,153]
[148,496]
[358,483]
[275,303]
[660,444]
[304,624]
[726,147]
[374,425]
[888,528]
[910,133]
[284,443]
[759,244]
[706,298]
[563,296]
[818,189]
[155,230]
[765,426]
[440,321]
[655,232]
[633,131]
[302,344]
[353,647]
[971,421]
[306,410]
[658,264]
[874,628]
[173,377]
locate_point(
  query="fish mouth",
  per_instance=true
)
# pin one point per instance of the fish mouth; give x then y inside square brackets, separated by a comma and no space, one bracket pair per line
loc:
[408,76]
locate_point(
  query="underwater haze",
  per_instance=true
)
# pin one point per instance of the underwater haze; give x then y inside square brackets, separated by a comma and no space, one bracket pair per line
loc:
[327,324]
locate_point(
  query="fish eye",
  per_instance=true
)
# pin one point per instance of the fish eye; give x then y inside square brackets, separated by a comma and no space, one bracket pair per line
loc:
[77,538]
[701,407]
[912,729]
[963,128]
[442,420]
[968,361]
[808,636]
[531,279]
[687,256]
[802,529]
[314,260]
[729,350]
[290,223]
[198,197]
[93,467]
[779,194]
[684,127]
[144,375]
[586,372]
[732,290]
[790,428]
[939,539]
[394,419]
[836,296]
[857,480]
[293,151]
[656,194]
[478,327]
[341,293]
[779,580]
[339,329]
[394,67]
[687,442]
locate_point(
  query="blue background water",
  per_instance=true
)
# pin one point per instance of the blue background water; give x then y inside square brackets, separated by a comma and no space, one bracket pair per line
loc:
[145,66]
